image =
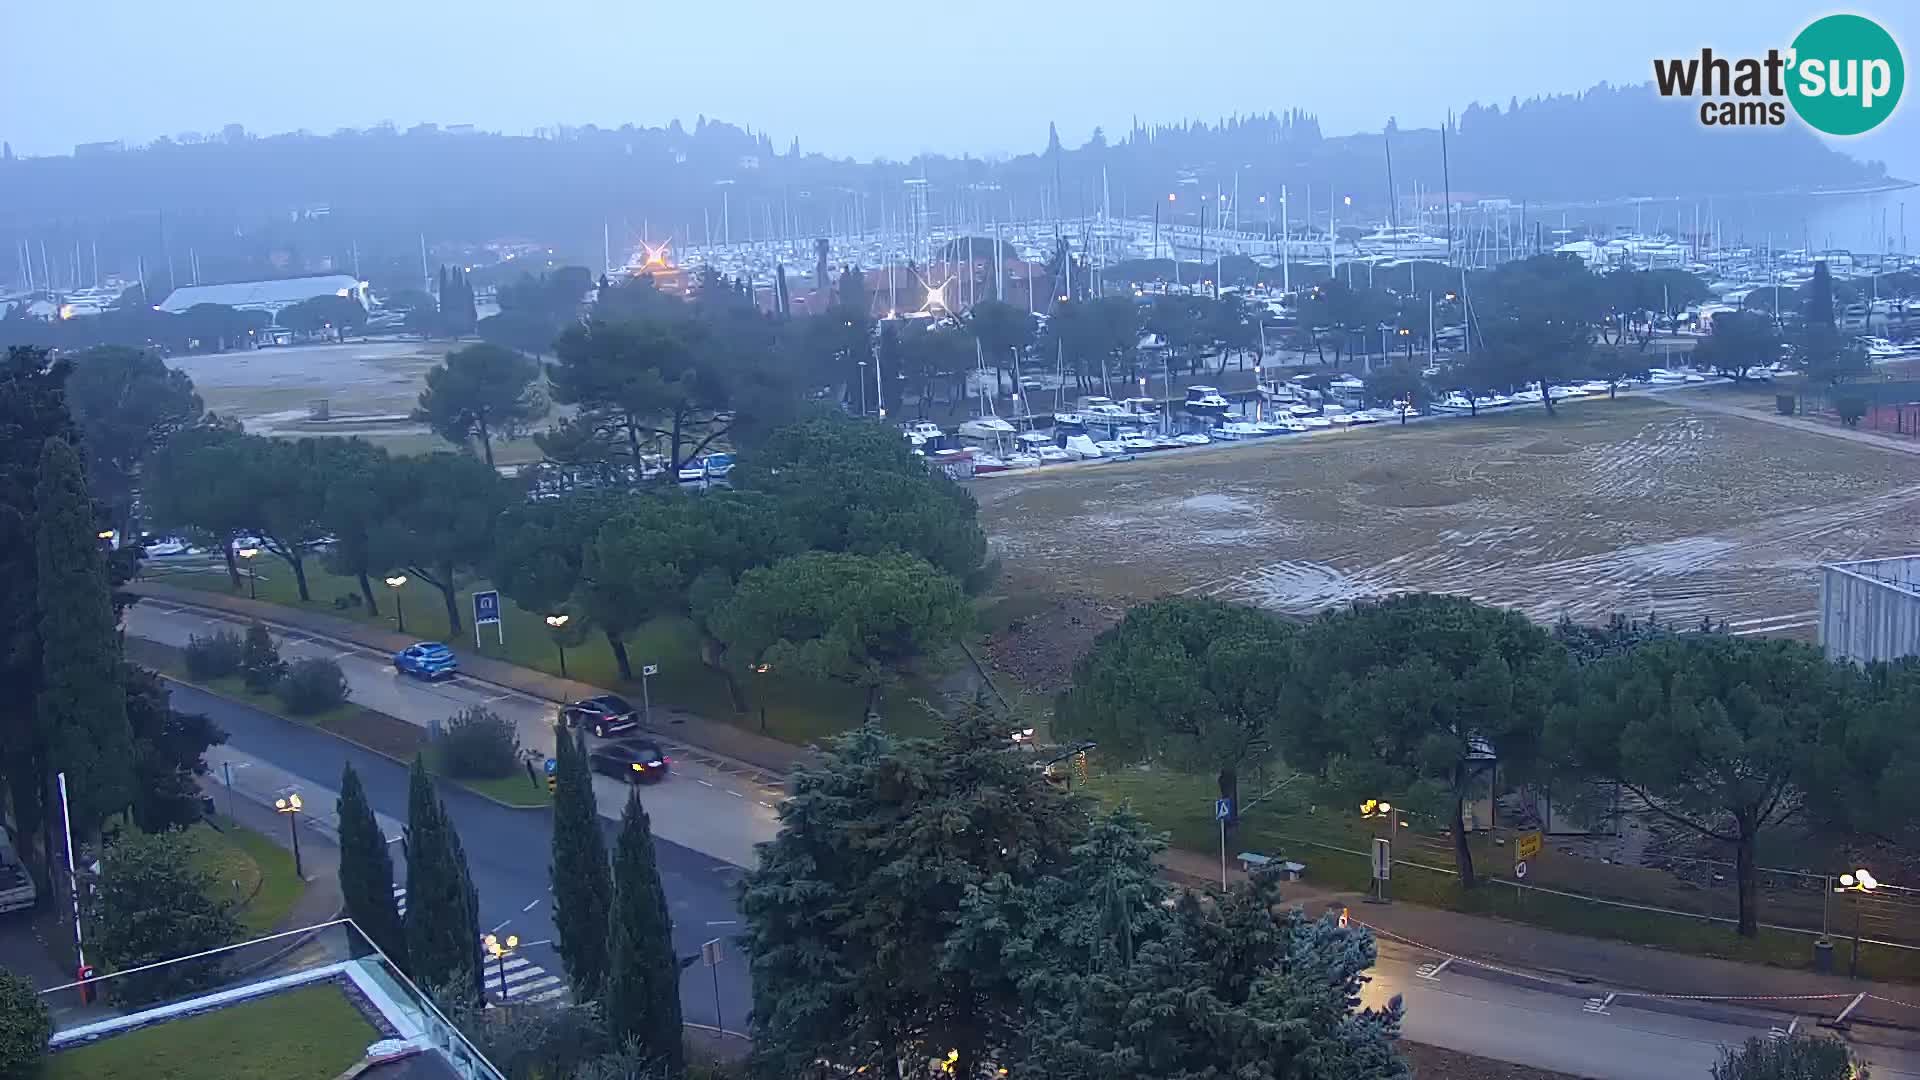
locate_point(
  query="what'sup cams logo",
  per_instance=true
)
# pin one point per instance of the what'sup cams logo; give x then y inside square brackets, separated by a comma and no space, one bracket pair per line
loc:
[1842,76]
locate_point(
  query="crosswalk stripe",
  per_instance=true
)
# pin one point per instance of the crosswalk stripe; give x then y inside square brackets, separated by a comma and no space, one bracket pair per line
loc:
[525,980]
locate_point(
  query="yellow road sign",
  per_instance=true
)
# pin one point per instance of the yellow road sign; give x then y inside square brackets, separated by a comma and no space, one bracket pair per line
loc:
[1526,845]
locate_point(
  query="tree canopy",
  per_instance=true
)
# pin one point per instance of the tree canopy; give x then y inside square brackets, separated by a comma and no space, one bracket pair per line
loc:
[480,393]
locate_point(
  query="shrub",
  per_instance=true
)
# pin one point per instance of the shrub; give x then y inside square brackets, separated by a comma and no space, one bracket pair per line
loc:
[1802,1058]
[215,656]
[25,1027]
[1851,408]
[260,660]
[312,686]
[478,743]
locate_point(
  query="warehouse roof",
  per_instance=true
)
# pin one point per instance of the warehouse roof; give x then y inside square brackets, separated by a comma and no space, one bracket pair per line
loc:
[261,294]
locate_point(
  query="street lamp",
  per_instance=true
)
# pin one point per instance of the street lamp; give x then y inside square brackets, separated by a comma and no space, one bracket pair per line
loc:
[499,950]
[1858,882]
[291,806]
[863,389]
[399,611]
[762,669]
[556,622]
[248,553]
[1380,808]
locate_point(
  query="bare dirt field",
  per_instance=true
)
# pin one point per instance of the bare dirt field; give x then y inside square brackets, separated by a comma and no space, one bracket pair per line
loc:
[1634,505]
[273,388]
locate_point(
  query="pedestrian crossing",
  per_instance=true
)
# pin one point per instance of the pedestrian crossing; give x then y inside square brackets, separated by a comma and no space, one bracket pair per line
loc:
[524,980]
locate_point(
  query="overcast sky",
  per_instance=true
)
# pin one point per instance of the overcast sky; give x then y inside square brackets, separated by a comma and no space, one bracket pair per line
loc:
[859,77]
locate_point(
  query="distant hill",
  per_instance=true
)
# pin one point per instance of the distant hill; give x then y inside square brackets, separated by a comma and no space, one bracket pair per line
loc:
[374,193]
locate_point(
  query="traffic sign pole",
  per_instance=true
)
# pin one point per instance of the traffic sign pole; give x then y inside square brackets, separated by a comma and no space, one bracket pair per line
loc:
[1222,810]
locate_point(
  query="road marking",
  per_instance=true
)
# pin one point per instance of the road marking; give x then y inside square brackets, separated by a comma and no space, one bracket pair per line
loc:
[703,783]
[1778,1033]
[530,906]
[1432,971]
[733,793]
[768,805]
[1598,1006]
[497,929]
[723,922]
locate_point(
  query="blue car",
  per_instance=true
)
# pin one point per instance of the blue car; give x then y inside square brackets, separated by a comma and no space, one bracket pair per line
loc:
[427,660]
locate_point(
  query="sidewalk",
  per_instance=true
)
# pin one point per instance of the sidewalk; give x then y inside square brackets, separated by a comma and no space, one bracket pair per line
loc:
[1607,965]
[319,858]
[715,736]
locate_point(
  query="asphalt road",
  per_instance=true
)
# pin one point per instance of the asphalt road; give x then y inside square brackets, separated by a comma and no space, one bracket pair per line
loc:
[706,818]
[702,806]
[507,850]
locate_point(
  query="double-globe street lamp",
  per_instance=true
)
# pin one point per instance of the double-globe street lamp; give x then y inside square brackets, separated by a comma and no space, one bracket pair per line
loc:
[291,806]
[248,553]
[498,949]
[1860,883]
[556,622]
[399,611]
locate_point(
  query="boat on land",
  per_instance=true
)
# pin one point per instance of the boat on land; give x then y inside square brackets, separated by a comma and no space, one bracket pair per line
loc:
[1205,401]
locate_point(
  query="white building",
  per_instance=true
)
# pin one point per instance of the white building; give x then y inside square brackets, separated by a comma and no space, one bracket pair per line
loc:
[267,296]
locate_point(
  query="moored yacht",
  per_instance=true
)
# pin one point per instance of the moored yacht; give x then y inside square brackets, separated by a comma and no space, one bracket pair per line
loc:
[1205,401]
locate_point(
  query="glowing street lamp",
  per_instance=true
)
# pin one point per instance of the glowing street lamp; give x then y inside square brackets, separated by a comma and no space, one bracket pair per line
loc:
[291,806]
[556,622]
[399,612]
[498,950]
[248,553]
[762,669]
[1860,883]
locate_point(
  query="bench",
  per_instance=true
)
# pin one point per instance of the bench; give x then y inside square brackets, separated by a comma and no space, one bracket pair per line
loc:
[1254,862]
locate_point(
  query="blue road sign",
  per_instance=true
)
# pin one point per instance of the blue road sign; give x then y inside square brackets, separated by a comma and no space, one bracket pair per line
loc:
[486,607]
[1222,809]
[552,766]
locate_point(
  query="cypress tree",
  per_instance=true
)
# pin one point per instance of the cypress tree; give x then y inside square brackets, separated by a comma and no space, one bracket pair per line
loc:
[366,871]
[443,940]
[582,884]
[82,703]
[642,1000]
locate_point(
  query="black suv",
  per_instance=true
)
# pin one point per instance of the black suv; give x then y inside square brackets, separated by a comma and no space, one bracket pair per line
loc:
[632,760]
[601,715]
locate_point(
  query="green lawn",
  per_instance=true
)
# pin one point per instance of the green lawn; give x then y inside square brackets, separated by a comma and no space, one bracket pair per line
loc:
[514,789]
[251,870]
[1283,826]
[312,1033]
[797,711]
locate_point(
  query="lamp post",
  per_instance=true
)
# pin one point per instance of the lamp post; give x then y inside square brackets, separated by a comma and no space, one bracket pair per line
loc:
[499,950]
[105,536]
[762,669]
[1858,882]
[248,553]
[399,610]
[863,389]
[558,621]
[1379,808]
[291,806]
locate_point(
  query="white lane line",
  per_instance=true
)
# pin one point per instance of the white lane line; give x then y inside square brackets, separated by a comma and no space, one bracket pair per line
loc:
[496,929]
[1432,971]
[723,922]
[530,906]
[736,794]
[1599,1005]
[702,782]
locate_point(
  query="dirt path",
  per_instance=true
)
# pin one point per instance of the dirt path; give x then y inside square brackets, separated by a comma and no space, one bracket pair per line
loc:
[1811,427]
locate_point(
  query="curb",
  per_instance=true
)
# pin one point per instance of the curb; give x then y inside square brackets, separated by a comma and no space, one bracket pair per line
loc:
[438,778]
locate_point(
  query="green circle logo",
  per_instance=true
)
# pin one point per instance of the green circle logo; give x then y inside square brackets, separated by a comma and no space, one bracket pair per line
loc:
[1846,76]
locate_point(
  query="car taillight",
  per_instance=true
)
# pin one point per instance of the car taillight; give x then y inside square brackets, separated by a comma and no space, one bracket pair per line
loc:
[668,760]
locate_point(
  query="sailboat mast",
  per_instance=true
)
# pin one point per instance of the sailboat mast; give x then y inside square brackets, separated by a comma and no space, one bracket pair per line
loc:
[1446,180]
[1286,245]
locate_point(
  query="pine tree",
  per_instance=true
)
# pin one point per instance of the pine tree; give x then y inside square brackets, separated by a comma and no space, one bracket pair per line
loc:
[366,871]
[582,883]
[82,704]
[642,999]
[443,938]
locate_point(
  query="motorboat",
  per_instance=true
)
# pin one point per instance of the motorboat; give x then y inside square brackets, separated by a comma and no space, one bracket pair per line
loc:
[1561,393]
[1082,446]
[925,430]
[1104,409]
[1341,419]
[1692,377]
[1663,377]
[1110,448]
[1192,438]
[1492,401]
[718,466]
[1313,422]
[693,472]
[1347,383]
[1206,401]
[989,428]
[1031,441]
[1365,416]
[1303,410]
[1880,349]
[1527,397]
[1052,455]
[1023,461]
[1455,402]
[984,462]
[1142,407]
[1138,443]
[1069,423]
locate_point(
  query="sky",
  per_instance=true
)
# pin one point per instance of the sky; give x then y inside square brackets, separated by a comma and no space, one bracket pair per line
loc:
[851,77]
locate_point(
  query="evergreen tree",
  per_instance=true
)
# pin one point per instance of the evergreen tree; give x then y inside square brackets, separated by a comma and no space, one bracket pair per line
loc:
[582,883]
[443,938]
[642,999]
[32,409]
[366,871]
[82,704]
